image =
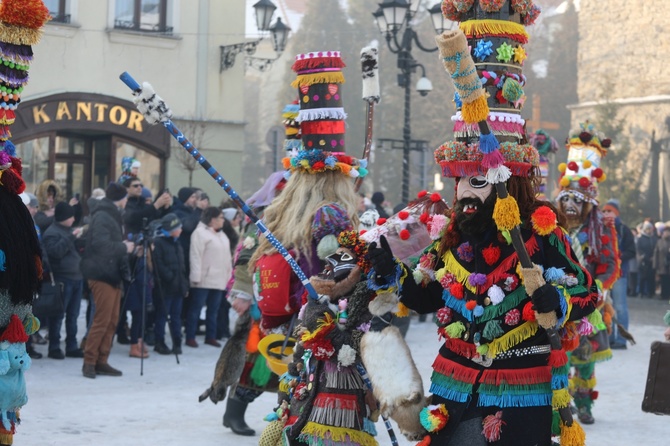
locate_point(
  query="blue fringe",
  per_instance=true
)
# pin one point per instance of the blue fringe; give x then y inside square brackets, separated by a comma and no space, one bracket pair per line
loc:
[457,305]
[2,260]
[9,148]
[293,108]
[449,394]
[508,400]
[488,143]
[291,144]
[559,382]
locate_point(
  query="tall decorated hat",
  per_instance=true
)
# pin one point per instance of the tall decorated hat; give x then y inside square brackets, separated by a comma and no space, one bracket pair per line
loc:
[321,116]
[489,130]
[293,137]
[582,172]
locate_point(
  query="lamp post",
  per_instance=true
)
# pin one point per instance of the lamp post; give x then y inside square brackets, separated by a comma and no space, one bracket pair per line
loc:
[394,19]
[264,10]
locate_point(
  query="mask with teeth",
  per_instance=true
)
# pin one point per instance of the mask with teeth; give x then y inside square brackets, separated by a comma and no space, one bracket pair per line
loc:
[574,208]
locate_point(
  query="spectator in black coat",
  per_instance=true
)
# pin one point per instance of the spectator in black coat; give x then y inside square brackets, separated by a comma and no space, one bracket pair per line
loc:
[188,212]
[378,201]
[137,209]
[64,260]
[171,283]
[645,252]
[105,267]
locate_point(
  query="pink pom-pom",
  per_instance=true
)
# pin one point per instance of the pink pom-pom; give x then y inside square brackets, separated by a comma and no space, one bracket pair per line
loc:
[493,426]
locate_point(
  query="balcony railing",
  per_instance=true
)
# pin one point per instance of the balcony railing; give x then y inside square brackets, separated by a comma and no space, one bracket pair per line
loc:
[60,18]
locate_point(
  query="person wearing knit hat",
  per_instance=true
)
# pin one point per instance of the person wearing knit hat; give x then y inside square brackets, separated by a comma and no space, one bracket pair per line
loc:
[627,253]
[105,267]
[64,259]
[595,242]
[497,271]
[21,25]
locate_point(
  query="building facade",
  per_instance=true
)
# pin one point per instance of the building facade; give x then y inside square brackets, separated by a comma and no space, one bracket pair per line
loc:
[76,120]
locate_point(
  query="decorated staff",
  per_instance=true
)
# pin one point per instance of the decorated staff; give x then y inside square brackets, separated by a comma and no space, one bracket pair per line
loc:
[370,66]
[155,110]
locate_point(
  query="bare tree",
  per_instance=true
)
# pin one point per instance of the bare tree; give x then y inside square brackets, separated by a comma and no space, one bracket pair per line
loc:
[195,132]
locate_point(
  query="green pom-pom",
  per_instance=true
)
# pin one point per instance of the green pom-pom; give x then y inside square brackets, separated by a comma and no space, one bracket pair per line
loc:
[666,319]
[483,349]
[455,330]
[493,330]
[327,246]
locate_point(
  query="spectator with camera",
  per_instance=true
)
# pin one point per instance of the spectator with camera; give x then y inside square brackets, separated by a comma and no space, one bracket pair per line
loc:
[137,209]
[171,283]
[59,244]
[105,267]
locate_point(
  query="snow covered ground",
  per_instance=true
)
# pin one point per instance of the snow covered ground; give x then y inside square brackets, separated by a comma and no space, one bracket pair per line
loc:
[161,407]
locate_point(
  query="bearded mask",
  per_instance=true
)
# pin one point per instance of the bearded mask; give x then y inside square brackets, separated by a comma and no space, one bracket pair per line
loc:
[574,207]
[475,200]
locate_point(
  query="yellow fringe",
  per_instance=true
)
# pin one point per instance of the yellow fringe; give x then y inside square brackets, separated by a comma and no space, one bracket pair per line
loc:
[403,311]
[455,268]
[475,111]
[292,131]
[560,398]
[604,355]
[506,213]
[322,324]
[512,338]
[283,386]
[479,27]
[335,77]
[572,435]
[577,383]
[19,35]
[339,434]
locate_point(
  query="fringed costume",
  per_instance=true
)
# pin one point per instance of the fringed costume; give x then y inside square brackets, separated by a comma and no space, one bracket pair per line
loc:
[595,244]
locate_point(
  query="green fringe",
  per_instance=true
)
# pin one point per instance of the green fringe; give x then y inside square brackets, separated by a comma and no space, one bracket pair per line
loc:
[553,240]
[512,300]
[450,383]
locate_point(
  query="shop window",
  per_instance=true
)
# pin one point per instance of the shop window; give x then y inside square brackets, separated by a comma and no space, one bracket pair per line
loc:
[150,165]
[150,16]
[34,156]
[59,10]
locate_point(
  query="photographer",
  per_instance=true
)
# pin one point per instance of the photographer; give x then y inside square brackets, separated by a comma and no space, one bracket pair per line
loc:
[137,209]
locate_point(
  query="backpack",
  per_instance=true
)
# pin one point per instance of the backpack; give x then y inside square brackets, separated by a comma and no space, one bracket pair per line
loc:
[272,283]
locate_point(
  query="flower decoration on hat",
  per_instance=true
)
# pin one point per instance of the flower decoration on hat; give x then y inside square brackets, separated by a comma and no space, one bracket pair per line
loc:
[321,117]
[352,241]
[582,172]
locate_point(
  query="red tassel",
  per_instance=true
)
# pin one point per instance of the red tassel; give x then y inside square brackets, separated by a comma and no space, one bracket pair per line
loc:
[493,426]
[557,358]
[14,333]
[528,313]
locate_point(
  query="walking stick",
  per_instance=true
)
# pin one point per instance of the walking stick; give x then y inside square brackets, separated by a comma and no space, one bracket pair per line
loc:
[155,110]
[369,65]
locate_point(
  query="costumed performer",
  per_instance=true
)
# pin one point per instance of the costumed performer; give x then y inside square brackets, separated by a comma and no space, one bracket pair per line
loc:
[20,261]
[498,374]
[594,242]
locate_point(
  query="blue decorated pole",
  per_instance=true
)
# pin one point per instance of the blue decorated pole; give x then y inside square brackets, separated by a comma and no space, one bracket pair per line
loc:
[193,151]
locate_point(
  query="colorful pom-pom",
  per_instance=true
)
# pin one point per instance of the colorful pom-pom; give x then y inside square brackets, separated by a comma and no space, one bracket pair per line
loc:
[602,178]
[456,290]
[422,194]
[435,197]
[528,312]
[423,218]
[434,417]
[404,234]
[584,182]
[496,294]
[572,165]
[444,315]
[597,172]
[491,254]
[564,182]
[506,213]
[512,317]
[605,239]
[586,164]
[403,215]
[562,167]
[381,221]
[543,220]
[471,304]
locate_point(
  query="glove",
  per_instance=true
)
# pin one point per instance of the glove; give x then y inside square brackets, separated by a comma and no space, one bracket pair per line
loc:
[546,299]
[381,258]
[378,323]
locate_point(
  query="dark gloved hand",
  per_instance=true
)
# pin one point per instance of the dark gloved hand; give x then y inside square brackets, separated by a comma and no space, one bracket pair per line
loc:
[381,258]
[546,299]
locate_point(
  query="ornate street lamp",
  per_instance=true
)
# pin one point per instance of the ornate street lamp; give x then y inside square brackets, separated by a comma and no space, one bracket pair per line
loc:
[264,9]
[394,19]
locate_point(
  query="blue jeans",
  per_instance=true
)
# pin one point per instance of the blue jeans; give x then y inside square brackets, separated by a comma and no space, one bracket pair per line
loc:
[168,305]
[200,297]
[72,292]
[619,299]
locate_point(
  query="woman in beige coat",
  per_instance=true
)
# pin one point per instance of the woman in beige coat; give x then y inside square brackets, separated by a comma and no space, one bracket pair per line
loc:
[211,268]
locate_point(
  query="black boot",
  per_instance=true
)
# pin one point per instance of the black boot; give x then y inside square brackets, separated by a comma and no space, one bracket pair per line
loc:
[162,349]
[234,418]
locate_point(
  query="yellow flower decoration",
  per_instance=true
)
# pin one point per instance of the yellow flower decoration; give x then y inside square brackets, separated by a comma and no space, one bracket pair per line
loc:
[505,52]
[519,55]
